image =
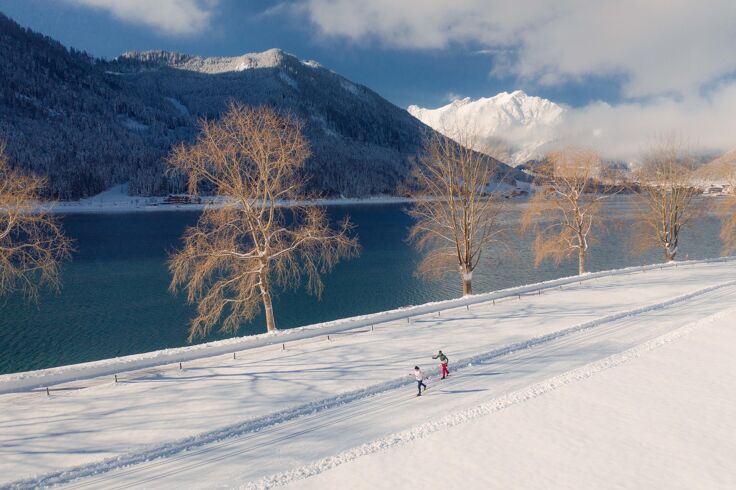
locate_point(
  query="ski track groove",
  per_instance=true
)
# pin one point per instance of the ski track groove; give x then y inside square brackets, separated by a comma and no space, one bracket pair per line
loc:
[144,460]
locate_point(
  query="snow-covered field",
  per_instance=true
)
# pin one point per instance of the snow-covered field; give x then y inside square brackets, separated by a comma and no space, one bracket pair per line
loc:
[622,380]
[660,415]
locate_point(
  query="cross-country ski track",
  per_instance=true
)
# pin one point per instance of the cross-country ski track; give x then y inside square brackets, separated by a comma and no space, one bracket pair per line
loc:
[501,354]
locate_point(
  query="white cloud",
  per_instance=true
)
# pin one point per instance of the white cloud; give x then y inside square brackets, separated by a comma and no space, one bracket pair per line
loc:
[177,17]
[624,130]
[657,46]
[452,96]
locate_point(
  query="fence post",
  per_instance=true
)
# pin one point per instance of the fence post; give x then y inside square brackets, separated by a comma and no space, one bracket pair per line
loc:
[47,391]
[116,378]
[283,346]
[233,355]
[180,366]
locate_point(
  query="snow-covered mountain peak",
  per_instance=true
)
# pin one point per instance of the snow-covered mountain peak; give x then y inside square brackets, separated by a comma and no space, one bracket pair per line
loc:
[460,102]
[271,58]
[522,121]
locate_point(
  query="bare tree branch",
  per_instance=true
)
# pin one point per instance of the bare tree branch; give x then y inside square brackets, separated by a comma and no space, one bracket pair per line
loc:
[666,196]
[456,211]
[235,255]
[565,209]
[32,243]
[723,169]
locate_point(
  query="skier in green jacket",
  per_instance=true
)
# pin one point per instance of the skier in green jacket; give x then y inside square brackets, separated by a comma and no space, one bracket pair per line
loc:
[443,359]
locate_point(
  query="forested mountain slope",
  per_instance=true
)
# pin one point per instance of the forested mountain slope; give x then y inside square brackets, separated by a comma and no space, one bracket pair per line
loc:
[88,124]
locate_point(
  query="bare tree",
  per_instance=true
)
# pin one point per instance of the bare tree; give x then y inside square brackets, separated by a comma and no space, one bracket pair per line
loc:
[666,194]
[238,252]
[32,243]
[723,171]
[564,211]
[457,213]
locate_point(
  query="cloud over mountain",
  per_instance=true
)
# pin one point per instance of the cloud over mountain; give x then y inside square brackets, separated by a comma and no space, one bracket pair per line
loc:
[530,126]
[178,17]
[655,47]
[673,60]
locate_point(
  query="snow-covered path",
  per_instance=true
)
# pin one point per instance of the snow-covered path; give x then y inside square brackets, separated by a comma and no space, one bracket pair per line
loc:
[660,415]
[147,416]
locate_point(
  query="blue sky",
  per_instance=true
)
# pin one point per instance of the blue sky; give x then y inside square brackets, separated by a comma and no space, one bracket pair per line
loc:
[626,70]
[404,75]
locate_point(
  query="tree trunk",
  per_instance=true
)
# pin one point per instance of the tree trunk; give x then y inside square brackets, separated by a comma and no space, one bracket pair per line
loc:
[267,305]
[581,261]
[467,278]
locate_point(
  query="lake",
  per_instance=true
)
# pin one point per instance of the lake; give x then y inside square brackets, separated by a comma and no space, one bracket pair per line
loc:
[115,300]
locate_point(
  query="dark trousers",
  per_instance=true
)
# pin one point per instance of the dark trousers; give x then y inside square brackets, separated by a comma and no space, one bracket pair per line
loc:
[420,383]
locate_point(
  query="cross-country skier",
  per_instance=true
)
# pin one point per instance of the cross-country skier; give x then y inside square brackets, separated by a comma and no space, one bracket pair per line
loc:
[419,376]
[443,360]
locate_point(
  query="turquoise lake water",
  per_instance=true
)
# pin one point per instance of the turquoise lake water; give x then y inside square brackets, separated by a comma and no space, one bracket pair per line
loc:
[115,301]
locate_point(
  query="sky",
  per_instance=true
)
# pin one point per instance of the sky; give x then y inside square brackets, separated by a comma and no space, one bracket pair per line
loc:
[625,69]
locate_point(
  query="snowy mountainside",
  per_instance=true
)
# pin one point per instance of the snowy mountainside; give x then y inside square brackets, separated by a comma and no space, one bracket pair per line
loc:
[89,124]
[361,143]
[525,123]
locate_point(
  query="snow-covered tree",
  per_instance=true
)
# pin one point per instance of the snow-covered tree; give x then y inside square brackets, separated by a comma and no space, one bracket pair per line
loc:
[236,254]
[566,208]
[32,243]
[457,213]
[666,194]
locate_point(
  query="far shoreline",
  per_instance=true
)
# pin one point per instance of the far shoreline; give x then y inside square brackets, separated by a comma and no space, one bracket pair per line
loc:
[77,207]
[117,201]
